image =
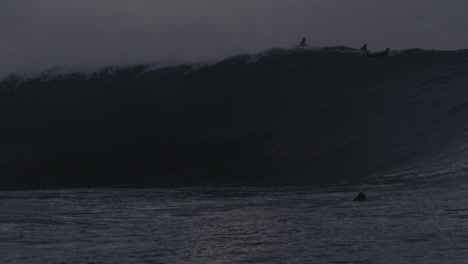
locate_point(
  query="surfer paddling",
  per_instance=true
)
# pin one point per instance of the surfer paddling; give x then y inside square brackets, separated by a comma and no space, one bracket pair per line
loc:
[365,52]
[380,54]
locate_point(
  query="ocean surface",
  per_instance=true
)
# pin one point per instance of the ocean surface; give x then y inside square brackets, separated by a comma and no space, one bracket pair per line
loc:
[421,219]
[253,159]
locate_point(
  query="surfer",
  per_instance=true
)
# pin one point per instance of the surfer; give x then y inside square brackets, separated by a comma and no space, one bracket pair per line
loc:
[380,54]
[360,197]
[364,50]
[303,43]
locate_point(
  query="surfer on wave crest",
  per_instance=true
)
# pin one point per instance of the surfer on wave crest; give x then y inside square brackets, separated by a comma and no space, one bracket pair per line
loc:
[364,50]
[380,54]
[303,43]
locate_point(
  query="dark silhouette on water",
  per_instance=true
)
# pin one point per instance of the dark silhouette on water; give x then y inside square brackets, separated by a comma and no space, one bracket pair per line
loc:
[360,197]
[364,50]
[380,54]
[303,43]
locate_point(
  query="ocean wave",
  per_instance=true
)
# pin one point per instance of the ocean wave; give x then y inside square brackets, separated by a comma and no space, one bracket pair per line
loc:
[283,115]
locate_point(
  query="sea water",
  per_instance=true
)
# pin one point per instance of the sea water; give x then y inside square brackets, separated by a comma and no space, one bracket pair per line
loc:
[409,221]
[275,146]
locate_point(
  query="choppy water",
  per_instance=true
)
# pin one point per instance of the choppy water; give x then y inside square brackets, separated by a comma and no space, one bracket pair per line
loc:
[413,221]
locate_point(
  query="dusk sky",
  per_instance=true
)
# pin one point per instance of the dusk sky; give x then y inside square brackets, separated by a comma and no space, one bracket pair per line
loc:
[39,34]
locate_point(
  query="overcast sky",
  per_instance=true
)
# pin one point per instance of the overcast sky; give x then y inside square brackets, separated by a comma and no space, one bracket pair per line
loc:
[40,34]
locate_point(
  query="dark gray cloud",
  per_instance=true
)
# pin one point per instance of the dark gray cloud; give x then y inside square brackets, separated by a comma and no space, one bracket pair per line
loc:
[39,34]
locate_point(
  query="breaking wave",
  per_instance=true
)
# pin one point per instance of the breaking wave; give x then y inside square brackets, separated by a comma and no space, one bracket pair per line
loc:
[323,115]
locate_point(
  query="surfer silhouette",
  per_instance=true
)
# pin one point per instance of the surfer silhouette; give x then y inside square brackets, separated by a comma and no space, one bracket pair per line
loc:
[364,50]
[380,54]
[360,197]
[303,43]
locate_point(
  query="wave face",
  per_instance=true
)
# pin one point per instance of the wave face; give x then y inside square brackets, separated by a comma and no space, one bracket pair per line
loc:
[322,115]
